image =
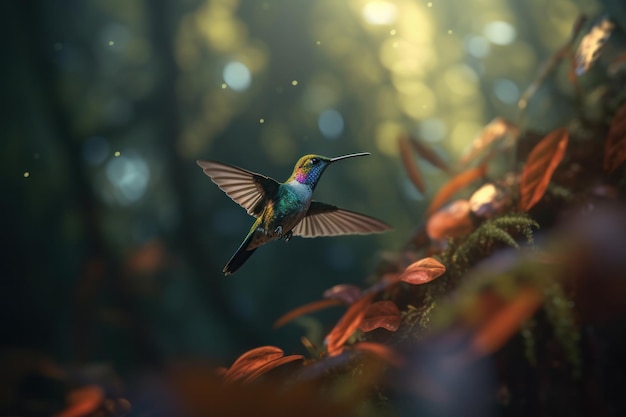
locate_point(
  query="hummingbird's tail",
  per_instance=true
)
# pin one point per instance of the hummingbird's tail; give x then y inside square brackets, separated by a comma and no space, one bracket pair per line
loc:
[240,257]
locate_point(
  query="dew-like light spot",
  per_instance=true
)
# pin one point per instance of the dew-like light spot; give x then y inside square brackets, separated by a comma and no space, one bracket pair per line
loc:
[330,123]
[26,174]
[506,91]
[116,35]
[380,12]
[294,82]
[261,120]
[499,32]
[117,153]
[477,46]
[237,76]
[95,150]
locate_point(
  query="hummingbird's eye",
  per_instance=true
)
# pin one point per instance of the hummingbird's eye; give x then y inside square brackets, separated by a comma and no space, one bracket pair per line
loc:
[315,161]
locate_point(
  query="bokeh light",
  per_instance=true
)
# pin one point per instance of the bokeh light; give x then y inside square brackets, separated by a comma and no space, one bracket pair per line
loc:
[237,76]
[129,174]
[500,33]
[330,123]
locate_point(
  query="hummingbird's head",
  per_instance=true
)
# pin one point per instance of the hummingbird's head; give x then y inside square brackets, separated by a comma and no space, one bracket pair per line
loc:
[309,168]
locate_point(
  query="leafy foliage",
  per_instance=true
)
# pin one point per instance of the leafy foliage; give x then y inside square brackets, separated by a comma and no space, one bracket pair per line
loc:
[540,165]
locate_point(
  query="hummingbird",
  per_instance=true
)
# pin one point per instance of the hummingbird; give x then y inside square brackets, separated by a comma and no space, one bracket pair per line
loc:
[284,210]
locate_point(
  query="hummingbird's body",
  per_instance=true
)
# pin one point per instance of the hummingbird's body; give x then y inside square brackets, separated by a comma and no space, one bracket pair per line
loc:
[286,209]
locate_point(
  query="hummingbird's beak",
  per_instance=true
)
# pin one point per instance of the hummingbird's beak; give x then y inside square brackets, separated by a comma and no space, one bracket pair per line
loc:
[349,156]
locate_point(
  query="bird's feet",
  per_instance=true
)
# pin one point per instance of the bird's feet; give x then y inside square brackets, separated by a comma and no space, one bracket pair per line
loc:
[279,231]
[288,236]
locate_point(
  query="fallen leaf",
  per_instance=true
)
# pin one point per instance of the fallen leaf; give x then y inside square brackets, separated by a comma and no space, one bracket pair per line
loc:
[428,154]
[423,271]
[454,185]
[348,323]
[494,131]
[589,48]
[540,165]
[250,361]
[505,322]
[383,314]
[347,293]
[263,369]
[306,309]
[384,352]
[82,401]
[615,147]
[409,164]
[454,220]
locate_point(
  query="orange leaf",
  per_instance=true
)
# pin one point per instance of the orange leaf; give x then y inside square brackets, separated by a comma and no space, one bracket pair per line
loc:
[452,221]
[540,165]
[615,148]
[306,309]
[457,183]
[382,351]
[250,361]
[409,164]
[495,130]
[345,292]
[429,155]
[271,365]
[82,401]
[423,271]
[383,314]
[504,323]
[347,325]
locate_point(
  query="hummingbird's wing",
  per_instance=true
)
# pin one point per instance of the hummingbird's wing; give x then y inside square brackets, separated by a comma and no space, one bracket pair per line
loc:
[248,189]
[327,220]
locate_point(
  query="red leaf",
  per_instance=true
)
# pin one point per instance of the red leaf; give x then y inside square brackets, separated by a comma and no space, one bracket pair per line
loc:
[345,292]
[494,131]
[306,309]
[423,271]
[383,352]
[347,325]
[429,155]
[455,184]
[615,148]
[454,220]
[506,321]
[409,164]
[271,365]
[82,401]
[383,314]
[250,361]
[540,165]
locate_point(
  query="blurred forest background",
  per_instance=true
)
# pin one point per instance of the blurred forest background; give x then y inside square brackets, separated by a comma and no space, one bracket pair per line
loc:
[114,239]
